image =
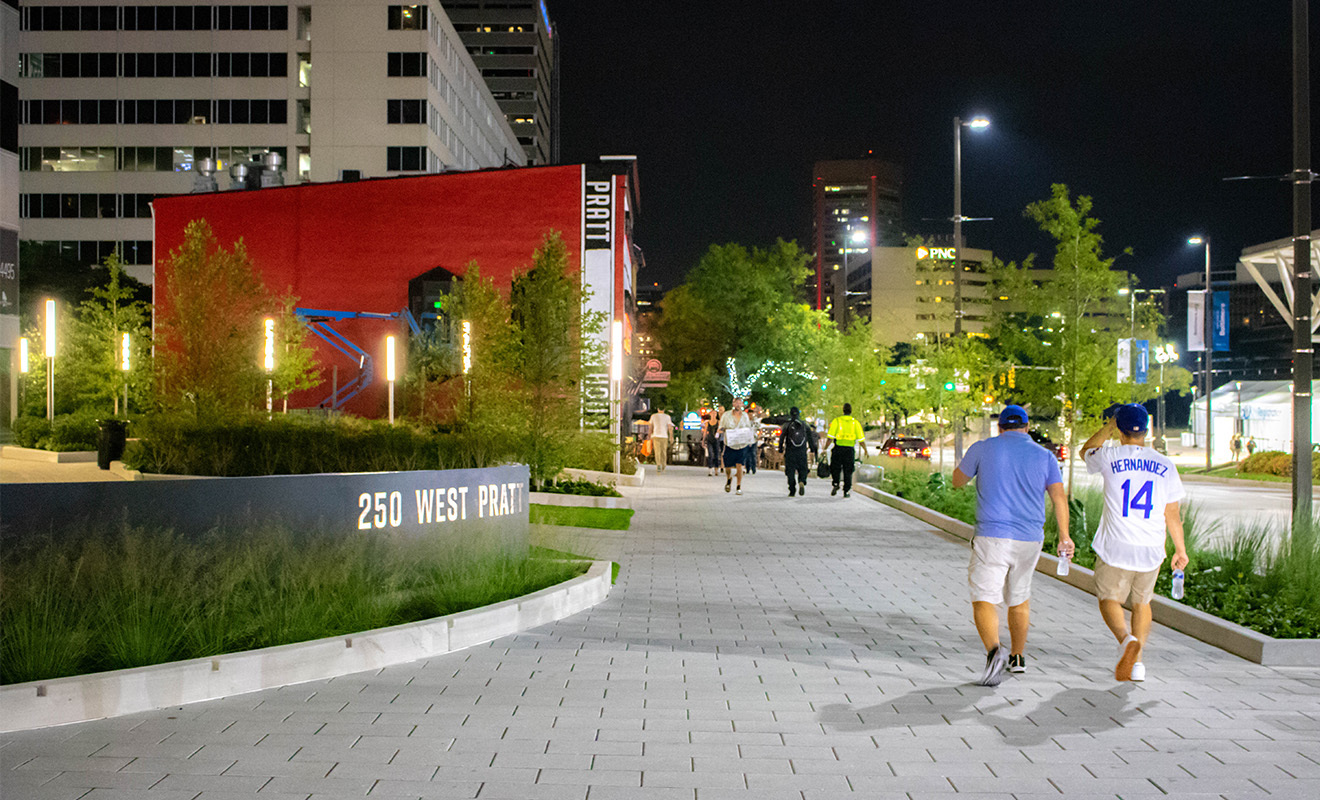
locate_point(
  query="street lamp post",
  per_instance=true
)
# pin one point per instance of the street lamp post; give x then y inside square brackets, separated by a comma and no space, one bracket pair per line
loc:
[850,238]
[1132,324]
[50,360]
[1209,349]
[976,123]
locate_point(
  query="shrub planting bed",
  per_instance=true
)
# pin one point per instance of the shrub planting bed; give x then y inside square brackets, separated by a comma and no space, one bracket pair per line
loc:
[1255,582]
[82,604]
[68,432]
[581,488]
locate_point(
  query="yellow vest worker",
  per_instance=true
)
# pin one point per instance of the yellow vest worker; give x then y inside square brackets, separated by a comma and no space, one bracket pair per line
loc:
[845,432]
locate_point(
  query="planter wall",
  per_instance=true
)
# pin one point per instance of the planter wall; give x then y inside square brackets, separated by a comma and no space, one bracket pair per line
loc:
[42,704]
[1229,636]
[579,500]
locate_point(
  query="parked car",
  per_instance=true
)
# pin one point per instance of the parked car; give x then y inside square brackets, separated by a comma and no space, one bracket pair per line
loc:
[906,447]
[1060,451]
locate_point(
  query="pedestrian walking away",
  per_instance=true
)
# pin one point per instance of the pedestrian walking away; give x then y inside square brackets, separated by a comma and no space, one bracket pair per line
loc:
[739,432]
[662,433]
[796,438]
[1235,446]
[1251,445]
[1013,474]
[1142,490]
[845,433]
[711,437]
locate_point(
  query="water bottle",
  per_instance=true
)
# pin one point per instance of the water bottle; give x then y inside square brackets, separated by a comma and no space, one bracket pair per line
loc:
[1065,561]
[1177,592]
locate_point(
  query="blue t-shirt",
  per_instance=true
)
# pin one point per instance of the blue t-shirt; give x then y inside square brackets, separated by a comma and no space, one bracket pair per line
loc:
[1012,473]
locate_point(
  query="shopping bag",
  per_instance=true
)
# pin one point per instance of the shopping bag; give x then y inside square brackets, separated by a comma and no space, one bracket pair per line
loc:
[823,466]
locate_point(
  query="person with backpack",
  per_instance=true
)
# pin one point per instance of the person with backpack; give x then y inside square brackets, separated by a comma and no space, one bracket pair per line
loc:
[795,438]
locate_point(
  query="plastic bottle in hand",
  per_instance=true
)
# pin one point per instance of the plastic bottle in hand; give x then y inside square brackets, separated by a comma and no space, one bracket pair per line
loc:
[1065,562]
[1177,592]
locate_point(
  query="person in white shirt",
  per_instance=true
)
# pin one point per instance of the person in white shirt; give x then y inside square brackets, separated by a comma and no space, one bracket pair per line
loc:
[662,432]
[739,433]
[1142,490]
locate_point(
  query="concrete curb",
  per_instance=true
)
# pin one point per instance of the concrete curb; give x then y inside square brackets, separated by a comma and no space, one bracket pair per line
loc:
[577,500]
[1236,639]
[41,704]
[607,478]
[48,456]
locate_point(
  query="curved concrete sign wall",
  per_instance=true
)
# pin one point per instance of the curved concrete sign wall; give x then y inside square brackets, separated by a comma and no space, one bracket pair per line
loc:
[486,507]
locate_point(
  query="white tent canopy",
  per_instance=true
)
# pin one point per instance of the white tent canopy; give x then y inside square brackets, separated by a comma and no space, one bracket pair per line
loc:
[1261,410]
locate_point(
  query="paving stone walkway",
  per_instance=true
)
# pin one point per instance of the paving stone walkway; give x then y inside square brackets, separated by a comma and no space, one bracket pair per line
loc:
[755,648]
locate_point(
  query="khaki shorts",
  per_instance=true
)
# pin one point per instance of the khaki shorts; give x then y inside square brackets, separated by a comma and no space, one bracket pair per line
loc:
[1112,583]
[1000,570]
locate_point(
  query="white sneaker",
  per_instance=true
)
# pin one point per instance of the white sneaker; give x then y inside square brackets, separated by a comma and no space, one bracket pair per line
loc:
[739,490]
[1128,651]
[1138,671]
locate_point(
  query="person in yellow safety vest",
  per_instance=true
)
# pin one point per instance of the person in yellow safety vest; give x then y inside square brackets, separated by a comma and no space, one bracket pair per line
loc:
[845,434]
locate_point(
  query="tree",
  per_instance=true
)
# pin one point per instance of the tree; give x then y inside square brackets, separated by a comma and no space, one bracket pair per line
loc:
[851,366]
[210,331]
[296,366]
[1067,320]
[741,304]
[88,367]
[550,326]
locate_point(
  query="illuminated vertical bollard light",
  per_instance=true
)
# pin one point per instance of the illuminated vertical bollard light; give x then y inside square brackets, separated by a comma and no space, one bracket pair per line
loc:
[24,360]
[467,363]
[125,364]
[616,389]
[270,367]
[389,371]
[50,360]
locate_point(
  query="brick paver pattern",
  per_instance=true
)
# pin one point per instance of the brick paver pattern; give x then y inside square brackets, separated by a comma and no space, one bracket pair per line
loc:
[754,648]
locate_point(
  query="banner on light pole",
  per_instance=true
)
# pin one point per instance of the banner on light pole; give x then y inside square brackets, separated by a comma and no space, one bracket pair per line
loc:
[1124,360]
[1141,362]
[1196,321]
[1219,329]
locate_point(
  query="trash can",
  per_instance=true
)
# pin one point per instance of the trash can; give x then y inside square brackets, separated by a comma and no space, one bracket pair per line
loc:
[114,432]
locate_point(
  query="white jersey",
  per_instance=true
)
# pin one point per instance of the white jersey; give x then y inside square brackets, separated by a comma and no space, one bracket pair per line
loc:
[1139,483]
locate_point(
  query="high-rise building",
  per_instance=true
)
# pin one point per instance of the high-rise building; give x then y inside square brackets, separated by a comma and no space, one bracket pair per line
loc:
[514,46]
[121,103]
[858,206]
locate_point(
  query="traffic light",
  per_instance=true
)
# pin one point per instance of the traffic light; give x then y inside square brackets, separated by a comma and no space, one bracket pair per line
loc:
[948,386]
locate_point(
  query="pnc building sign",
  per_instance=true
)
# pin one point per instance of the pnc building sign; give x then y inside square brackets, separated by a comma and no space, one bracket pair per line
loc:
[941,253]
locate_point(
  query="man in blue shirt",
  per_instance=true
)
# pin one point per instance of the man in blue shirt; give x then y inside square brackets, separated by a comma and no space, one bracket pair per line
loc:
[1013,474]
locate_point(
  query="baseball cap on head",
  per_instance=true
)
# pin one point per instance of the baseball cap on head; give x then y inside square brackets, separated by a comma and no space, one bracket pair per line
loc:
[1013,415]
[1132,419]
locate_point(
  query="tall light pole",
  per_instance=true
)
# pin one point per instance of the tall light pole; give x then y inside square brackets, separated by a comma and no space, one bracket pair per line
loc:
[1303,349]
[50,360]
[976,123]
[1209,348]
[850,238]
[1132,324]
[1164,354]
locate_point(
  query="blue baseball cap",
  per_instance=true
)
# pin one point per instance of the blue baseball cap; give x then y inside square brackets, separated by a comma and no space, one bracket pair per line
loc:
[1012,416]
[1132,419]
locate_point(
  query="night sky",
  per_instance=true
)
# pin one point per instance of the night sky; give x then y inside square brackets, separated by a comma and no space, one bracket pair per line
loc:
[1145,107]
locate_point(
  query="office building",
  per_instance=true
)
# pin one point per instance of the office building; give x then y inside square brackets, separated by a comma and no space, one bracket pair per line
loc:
[912,293]
[122,102]
[514,47]
[858,206]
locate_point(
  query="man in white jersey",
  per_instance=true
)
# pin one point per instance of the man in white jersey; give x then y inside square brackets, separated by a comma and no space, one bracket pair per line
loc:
[1142,490]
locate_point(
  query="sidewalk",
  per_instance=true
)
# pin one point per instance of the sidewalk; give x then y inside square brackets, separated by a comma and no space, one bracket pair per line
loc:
[755,647]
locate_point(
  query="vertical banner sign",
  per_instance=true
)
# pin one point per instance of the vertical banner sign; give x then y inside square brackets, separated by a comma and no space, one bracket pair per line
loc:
[1196,321]
[1141,364]
[1124,360]
[598,275]
[9,285]
[1219,322]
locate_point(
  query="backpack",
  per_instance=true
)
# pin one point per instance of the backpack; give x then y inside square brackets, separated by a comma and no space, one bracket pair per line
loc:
[795,433]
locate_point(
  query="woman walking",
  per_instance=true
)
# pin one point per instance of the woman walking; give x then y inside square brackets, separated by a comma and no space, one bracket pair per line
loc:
[711,438]
[739,441]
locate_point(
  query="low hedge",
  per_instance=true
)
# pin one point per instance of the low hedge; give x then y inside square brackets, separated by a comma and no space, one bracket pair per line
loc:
[295,446]
[1274,462]
[582,488]
[78,431]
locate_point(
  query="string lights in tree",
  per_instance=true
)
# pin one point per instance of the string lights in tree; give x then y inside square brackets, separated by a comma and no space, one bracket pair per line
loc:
[744,389]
